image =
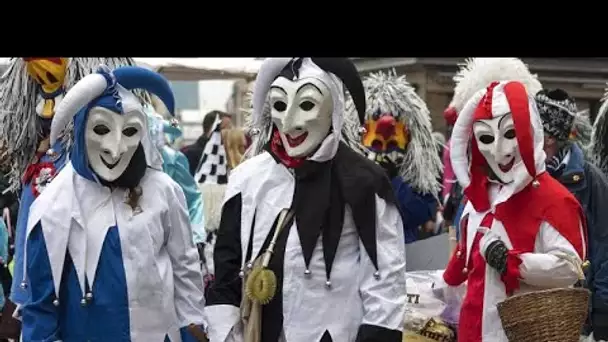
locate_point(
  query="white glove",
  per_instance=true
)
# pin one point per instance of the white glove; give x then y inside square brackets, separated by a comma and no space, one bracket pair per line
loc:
[488,237]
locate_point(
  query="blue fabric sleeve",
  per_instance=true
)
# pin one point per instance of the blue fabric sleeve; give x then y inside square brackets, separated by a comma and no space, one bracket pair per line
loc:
[3,242]
[417,208]
[194,198]
[176,166]
[40,318]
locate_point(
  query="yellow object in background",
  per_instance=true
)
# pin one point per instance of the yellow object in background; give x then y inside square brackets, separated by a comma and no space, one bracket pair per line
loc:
[50,74]
[11,267]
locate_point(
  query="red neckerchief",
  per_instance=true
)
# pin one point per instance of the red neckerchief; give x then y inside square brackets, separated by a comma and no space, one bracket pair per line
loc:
[276,146]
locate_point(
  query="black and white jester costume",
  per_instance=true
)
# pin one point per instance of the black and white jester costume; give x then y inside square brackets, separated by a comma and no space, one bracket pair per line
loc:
[340,264]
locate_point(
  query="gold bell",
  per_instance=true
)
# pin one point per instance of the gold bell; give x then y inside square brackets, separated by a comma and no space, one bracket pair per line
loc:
[465,270]
[535,183]
[576,178]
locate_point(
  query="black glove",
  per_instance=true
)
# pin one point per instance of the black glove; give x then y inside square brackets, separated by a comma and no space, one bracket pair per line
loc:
[390,167]
[496,256]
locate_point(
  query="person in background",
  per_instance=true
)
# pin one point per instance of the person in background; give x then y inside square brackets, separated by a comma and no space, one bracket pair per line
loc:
[234,142]
[9,206]
[399,137]
[566,163]
[194,151]
[451,192]
[175,164]
[8,198]
[440,145]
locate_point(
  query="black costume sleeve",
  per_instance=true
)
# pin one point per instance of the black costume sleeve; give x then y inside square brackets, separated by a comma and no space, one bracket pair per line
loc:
[227,257]
[224,296]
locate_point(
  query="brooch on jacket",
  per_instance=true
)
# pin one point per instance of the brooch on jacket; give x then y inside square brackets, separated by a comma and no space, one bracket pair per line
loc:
[39,175]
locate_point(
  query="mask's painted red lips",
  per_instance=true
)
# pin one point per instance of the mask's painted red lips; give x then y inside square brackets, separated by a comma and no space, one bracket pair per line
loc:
[506,167]
[294,142]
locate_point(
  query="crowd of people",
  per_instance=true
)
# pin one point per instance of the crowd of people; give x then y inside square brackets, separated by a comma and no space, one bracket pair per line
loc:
[295,227]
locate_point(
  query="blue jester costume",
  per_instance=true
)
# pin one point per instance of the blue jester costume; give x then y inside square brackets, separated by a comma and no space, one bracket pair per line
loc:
[109,252]
[30,91]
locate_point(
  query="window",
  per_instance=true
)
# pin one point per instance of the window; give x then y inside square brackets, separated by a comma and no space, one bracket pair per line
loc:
[186,94]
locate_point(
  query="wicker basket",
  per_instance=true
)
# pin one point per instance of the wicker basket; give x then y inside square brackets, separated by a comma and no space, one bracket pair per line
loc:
[555,315]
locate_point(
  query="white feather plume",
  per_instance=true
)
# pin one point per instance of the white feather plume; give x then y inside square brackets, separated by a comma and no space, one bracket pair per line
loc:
[478,73]
[421,166]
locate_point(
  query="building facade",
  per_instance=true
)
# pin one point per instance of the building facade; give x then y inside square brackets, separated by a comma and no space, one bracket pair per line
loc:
[583,78]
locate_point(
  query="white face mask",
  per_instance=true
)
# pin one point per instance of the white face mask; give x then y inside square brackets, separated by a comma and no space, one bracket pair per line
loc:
[302,112]
[111,140]
[497,143]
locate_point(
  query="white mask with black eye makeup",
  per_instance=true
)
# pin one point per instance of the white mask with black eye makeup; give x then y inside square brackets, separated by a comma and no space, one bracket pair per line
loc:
[302,112]
[111,141]
[497,142]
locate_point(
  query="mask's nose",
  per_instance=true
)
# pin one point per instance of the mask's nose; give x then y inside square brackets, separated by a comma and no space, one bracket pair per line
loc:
[113,150]
[291,125]
[385,126]
[112,153]
[502,154]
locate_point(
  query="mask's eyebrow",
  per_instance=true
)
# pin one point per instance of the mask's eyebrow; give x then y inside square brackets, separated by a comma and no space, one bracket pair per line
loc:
[508,115]
[278,88]
[309,85]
